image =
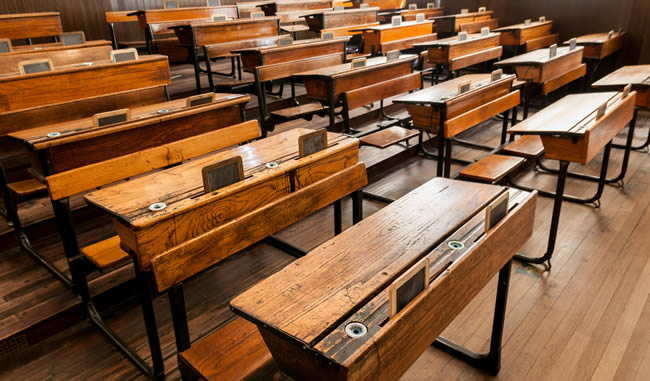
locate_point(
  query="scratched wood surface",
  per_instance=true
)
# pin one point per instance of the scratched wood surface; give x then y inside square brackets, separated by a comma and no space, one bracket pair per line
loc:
[305,302]
[539,67]
[519,34]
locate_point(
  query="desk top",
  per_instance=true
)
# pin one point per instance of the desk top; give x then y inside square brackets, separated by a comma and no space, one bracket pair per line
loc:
[571,116]
[83,66]
[308,298]
[451,41]
[634,74]
[200,24]
[595,38]
[381,27]
[37,138]
[448,90]
[54,47]
[540,56]
[533,24]
[371,63]
[343,12]
[181,187]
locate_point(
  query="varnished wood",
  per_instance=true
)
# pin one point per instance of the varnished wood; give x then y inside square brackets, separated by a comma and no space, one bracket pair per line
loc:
[341,78]
[492,169]
[563,79]
[342,296]
[105,254]
[636,75]
[475,27]
[154,16]
[375,37]
[65,84]
[91,176]
[92,51]
[80,143]
[463,111]
[450,24]
[529,146]
[269,55]
[519,34]
[382,90]
[542,42]
[411,14]
[30,25]
[141,232]
[348,30]
[334,19]
[388,137]
[538,67]
[286,69]
[578,136]
[234,351]
[458,54]
[599,45]
[26,188]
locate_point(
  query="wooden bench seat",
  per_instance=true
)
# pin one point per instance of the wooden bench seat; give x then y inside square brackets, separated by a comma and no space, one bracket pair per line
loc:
[235,351]
[389,136]
[492,169]
[528,146]
[302,111]
[27,188]
[234,83]
[105,254]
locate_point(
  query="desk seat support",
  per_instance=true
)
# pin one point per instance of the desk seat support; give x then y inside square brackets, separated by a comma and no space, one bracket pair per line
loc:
[491,361]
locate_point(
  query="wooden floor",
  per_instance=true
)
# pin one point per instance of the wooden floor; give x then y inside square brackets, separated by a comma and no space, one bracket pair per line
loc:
[587,318]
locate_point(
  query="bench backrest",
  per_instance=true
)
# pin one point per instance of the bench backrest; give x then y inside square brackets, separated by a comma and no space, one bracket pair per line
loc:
[78,180]
[153,16]
[220,49]
[21,92]
[286,69]
[120,16]
[60,55]
[382,90]
[228,31]
[30,25]
[348,30]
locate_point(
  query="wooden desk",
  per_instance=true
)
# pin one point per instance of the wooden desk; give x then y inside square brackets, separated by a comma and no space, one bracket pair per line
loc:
[79,143]
[533,36]
[302,311]
[267,55]
[381,4]
[193,215]
[30,25]
[411,14]
[91,51]
[156,16]
[327,84]
[639,77]
[450,24]
[58,86]
[571,132]
[334,19]
[456,54]
[383,38]
[219,38]
[544,73]
[598,45]
[441,110]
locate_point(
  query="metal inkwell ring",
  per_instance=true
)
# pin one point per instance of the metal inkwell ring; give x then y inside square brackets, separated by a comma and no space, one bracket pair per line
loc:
[53,134]
[356,330]
[455,245]
[271,165]
[158,206]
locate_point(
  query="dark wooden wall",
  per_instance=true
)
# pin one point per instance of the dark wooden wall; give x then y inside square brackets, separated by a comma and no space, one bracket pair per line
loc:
[571,17]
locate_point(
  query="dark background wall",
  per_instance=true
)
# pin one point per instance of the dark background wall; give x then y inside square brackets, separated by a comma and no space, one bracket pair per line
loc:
[571,17]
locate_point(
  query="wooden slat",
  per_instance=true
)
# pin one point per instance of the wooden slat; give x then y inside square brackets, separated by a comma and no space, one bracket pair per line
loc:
[191,257]
[29,25]
[492,168]
[564,79]
[81,179]
[473,117]
[298,111]
[105,254]
[286,69]
[388,137]
[529,146]
[542,42]
[382,90]
[235,351]
[475,58]
[27,187]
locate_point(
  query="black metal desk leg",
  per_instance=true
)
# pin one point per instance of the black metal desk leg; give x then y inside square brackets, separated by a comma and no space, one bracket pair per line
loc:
[111,28]
[555,221]
[448,145]
[146,302]
[491,361]
[179,317]
[504,128]
[357,206]
[338,217]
